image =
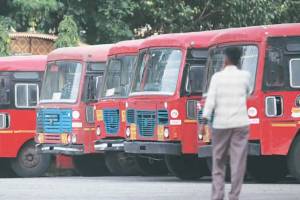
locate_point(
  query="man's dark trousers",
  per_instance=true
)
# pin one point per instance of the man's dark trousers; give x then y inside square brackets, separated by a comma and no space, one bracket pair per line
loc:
[231,142]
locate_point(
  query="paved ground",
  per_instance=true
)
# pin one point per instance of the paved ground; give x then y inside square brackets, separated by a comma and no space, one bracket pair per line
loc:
[133,188]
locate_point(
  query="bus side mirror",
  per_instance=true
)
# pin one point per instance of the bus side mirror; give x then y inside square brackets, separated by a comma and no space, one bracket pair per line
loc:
[89,114]
[195,80]
[273,106]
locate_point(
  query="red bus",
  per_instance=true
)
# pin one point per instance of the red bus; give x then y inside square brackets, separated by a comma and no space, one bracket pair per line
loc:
[20,82]
[65,115]
[272,56]
[111,110]
[161,119]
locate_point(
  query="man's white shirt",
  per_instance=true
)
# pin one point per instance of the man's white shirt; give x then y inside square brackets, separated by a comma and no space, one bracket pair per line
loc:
[227,98]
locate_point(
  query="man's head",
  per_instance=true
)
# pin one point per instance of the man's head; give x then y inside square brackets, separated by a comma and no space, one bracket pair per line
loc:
[233,56]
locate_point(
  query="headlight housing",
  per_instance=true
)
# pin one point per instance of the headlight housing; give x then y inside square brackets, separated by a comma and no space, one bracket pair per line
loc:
[98,131]
[127,132]
[69,138]
[166,133]
[74,139]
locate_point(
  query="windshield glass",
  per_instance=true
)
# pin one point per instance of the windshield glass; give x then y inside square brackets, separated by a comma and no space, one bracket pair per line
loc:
[118,76]
[61,82]
[249,61]
[157,72]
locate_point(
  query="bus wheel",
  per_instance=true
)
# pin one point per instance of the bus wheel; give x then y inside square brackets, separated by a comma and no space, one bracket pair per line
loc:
[294,159]
[151,165]
[90,165]
[267,169]
[187,167]
[121,164]
[30,163]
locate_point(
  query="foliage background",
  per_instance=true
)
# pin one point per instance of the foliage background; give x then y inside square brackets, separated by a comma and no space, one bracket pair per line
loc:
[106,21]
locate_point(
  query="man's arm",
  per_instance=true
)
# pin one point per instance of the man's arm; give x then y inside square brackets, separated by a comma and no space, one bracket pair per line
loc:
[210,102]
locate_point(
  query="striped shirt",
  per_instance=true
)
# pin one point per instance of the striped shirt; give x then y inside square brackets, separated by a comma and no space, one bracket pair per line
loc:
[226,97]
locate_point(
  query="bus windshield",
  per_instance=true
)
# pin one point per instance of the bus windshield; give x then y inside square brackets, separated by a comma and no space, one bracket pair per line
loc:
[118,77]
[61,82]
[157,72]
[249,62]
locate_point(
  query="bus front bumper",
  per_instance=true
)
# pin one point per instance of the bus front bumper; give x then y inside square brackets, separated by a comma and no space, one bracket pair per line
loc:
[205,151]
[109,145]
[160,148]
[70,149]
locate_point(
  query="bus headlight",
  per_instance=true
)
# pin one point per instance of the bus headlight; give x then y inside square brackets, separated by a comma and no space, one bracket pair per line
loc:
[74,139]
[200,136]
[98,131]
[127,132]
[166,133]
[40,138]
[69,139]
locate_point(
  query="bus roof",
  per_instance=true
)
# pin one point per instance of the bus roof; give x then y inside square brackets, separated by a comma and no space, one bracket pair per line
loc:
[180,40]
[91,53]
[127,46]
[256,33]
[23,63]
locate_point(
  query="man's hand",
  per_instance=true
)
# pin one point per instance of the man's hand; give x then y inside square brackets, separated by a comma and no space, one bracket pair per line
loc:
[203,130]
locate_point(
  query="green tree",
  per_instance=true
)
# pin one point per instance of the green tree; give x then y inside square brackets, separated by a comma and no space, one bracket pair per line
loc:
[36,14]
[67,33]
[4,39]
[107,21]
[102,21]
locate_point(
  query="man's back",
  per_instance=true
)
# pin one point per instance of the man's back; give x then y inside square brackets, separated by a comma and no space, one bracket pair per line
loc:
[230,89]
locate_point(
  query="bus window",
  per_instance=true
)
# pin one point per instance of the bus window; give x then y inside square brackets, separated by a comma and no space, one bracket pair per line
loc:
[4,90]
[26,95]
[249,62]
[274,70]
[26,75]
[295,73]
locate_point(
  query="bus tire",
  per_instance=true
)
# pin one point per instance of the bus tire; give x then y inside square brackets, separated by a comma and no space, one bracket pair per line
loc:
[30,163]
[151,165]
[293,159]
[90,165]
[121,164]
[187,167]
[267,169]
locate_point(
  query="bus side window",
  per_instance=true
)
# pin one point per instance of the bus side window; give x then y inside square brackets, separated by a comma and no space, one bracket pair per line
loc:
[4,90]
[26,95]
[274,71]
[294,66]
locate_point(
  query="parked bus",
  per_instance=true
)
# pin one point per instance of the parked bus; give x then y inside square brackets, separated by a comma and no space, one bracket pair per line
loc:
[161,117]
[20,82]
[271,54]
[65,115]
[111,110]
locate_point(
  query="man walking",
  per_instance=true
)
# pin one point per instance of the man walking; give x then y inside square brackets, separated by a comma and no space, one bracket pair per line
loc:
[226,98]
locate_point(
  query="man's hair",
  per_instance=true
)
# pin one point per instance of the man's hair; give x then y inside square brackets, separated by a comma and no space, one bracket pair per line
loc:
[233,54]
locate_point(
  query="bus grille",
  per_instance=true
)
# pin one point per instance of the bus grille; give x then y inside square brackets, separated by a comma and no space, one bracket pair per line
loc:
[162,117]
[146,122]
[130,116]
[54,121]
[111,119]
